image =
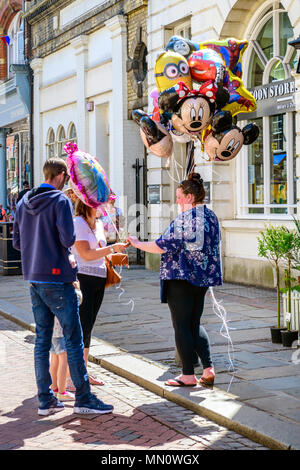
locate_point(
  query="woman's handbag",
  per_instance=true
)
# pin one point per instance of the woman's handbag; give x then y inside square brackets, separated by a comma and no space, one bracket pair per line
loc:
[113,277]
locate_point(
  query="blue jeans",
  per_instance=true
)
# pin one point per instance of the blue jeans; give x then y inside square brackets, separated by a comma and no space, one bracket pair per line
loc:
[59,300]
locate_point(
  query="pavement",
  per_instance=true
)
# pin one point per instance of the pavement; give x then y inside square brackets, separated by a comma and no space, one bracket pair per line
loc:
[141,420]
[133,344]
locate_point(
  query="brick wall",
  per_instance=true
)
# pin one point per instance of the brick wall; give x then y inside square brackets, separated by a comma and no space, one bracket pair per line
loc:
[45,39]
[137,32]
[3,58]
[8,10]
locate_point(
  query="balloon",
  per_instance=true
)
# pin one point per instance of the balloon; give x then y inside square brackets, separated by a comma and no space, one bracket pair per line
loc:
[241,100]
[87,177]
[155,112]
[231,50]
[181,45]
[171,68]
[155,137]
[207,65]
[225,140]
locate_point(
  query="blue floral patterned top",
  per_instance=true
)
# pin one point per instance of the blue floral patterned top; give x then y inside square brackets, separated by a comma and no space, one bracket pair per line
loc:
[192,245]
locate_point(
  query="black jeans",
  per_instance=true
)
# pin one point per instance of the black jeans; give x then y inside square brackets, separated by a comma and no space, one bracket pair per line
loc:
[186,303]
[92,288]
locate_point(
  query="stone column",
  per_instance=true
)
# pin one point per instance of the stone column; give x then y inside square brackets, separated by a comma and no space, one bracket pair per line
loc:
[118,106]
[80,45]
[38,148]
[3,188]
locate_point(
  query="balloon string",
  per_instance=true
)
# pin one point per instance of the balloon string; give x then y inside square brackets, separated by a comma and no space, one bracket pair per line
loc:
[177,164]
[220,311]
[131,301]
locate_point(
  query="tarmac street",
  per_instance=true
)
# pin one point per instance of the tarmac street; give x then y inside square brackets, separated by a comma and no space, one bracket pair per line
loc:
[257,405]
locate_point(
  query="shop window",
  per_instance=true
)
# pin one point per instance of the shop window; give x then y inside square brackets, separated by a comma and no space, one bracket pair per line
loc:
[51,144]
[265,39]
[256,173]
[278,163]
[270,171]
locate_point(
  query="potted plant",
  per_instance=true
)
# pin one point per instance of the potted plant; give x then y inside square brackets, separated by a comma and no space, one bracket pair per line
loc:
[291,250]
[270,246]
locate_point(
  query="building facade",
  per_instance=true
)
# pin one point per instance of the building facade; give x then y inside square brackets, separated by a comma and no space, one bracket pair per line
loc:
[85,57]
[15,104]
[261,183]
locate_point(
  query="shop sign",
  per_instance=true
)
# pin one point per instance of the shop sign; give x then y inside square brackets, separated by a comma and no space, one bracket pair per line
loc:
[273,98]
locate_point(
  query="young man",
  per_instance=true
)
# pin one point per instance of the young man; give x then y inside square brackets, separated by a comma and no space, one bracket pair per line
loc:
[44,232]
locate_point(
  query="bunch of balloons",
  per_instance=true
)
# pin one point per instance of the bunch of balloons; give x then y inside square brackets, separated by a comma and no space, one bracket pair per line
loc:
[87,177]
[199,93]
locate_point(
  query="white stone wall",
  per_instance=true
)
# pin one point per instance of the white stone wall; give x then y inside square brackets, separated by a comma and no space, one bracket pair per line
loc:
[91,68]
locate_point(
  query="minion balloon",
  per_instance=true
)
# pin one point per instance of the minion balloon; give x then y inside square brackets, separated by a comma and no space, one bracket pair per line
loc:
[171,68]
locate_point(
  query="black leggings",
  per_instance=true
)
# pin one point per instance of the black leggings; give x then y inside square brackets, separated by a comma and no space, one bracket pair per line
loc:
[186,303]
[92,288]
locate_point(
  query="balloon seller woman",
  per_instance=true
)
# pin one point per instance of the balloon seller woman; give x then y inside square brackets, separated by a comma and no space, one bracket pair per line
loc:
[190,264]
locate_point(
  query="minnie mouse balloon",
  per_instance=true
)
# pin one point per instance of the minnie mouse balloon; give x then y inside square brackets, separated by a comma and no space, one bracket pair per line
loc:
[87,177]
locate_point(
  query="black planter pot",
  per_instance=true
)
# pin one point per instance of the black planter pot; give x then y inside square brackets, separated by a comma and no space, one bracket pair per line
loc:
[288,337]
[276,334]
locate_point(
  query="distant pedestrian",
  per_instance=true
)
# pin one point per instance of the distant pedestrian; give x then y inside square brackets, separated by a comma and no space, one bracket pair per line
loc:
[44,233]
[190,264]
[2,214]
[25,189]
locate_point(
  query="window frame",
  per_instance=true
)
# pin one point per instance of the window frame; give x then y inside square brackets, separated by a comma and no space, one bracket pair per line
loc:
[242,182]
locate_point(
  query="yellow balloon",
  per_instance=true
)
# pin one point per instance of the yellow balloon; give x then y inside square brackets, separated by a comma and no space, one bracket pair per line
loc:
[241,100]
[171,68]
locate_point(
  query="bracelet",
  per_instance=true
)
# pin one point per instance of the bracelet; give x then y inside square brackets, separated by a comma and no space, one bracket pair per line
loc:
[111,249]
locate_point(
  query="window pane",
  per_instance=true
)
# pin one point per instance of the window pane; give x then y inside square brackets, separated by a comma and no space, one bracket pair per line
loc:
[51,137]
[73,134]
[277,72]
[256,71]
[278,164]
[265,39]
[294,61]
[286,32]
[256,169]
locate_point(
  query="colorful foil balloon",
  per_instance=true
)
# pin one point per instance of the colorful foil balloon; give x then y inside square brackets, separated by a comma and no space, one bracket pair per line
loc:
[231,50]
[207,65]
[87,177]
[171,68]
[240,100]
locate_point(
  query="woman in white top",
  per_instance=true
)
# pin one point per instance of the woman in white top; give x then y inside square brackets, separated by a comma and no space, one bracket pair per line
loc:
[90,249]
